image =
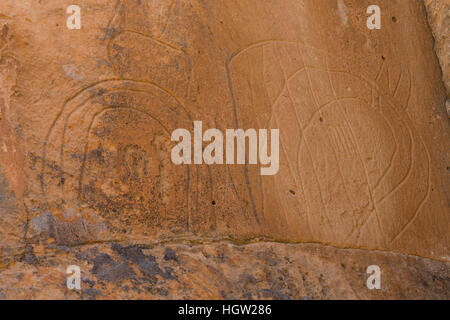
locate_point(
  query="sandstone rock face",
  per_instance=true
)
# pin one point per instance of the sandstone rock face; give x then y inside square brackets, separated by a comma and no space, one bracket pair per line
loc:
[86,176]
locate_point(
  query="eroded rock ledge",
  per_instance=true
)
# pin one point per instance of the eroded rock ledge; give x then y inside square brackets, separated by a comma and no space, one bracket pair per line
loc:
[265,270]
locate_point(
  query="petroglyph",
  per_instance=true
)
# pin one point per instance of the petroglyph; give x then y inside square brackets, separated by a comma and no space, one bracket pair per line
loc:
[357,148]
[106,172]
[348,145]
[86,178]
[342,181]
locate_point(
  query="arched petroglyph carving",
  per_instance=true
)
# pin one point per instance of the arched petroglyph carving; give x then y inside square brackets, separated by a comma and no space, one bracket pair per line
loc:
[346,190]
[91,135]
[123,168]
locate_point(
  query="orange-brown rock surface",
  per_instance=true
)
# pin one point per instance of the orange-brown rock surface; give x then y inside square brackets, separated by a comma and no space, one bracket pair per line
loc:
[86,176]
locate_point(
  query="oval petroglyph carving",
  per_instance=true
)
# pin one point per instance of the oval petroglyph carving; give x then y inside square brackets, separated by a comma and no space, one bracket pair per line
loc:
[342,182]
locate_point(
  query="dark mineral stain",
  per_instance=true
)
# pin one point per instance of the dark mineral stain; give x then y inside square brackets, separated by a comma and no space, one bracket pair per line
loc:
[111,33]
[29,256]
[106,268]
[97,154]
[162,292]
[90,293]
[170,254]
[274,294]
[5,192]
[146,264]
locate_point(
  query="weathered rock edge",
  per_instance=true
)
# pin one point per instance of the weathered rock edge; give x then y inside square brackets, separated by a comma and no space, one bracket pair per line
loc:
[264,270]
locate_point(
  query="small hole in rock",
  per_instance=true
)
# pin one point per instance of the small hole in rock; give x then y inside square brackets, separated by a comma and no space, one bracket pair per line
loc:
[292,192]
[213,202]
[383,57]
[321,119]
[394,19]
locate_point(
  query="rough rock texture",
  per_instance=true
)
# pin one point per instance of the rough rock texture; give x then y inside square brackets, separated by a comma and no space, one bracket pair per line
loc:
[85,170]
[263,270]
[439,19]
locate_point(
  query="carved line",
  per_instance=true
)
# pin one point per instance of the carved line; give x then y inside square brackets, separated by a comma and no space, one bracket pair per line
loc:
[277,53]
[252,199]
[79,93]
[67,120]
[358,152]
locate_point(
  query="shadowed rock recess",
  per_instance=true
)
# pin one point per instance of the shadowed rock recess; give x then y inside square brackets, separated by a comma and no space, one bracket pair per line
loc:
[86,176]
